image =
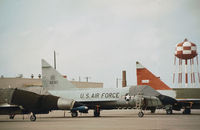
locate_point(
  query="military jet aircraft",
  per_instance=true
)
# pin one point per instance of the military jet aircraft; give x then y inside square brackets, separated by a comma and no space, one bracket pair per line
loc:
[187,98]
[16,101]
[140,97]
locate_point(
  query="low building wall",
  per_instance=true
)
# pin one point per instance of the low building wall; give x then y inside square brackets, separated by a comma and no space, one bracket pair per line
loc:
[187,93]
[26,82]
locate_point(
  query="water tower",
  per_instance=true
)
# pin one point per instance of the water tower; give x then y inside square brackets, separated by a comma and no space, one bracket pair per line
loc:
[186,52]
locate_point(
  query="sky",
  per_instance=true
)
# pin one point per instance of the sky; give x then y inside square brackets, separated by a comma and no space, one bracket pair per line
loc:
[95,38]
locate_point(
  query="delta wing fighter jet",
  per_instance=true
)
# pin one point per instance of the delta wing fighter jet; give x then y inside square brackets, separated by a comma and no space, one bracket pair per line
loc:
[186,98]
[16,101]
[140,97]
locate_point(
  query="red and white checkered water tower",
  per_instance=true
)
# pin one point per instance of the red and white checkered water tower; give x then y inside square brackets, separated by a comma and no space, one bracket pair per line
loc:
[186,51]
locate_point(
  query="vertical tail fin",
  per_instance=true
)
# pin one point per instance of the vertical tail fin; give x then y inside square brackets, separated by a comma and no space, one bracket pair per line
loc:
[145,77]
[52,79]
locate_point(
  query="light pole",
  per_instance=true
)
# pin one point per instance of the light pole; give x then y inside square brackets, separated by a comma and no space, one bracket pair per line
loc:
[87,78]
[117,79]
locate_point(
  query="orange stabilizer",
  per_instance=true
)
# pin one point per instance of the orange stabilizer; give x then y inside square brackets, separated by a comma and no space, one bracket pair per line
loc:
[145,77]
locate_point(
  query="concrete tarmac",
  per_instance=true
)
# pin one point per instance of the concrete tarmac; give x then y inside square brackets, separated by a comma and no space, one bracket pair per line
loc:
[110,119]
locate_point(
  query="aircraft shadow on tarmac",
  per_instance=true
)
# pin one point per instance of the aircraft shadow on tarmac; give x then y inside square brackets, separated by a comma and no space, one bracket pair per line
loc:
[49,119]
[147,115]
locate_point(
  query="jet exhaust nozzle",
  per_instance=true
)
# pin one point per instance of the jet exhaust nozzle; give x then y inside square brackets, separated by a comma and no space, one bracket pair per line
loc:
[65,104]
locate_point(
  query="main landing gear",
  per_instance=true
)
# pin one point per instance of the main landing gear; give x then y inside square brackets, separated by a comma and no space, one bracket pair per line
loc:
[12,116]
[74,113]
[97,111]
[153,110]
[169,110]
[187,111]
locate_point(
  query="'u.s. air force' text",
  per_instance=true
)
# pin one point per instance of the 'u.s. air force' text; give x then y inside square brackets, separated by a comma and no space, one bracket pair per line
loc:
[99,95]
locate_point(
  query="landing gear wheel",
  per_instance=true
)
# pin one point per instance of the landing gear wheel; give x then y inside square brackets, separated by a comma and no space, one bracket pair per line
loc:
[153,110]
[97,111]
[187,111]
[140,114]
[74,114]
[96,114]
[169,111]
[12,116]
[33,117]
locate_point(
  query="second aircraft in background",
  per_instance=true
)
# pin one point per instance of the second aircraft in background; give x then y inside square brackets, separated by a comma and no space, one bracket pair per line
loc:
[141,97]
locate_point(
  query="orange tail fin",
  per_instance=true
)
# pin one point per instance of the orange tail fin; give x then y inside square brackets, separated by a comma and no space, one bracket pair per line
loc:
[145,77]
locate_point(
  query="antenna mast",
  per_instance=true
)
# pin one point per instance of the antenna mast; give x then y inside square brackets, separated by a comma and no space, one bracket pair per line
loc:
[54,59]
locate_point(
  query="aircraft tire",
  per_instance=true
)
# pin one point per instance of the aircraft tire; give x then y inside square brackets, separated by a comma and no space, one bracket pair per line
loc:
[153,110]
[169,111]
[187,111]
[140,114]
[74,114]
[33,117]
[96,114]
[97,111]
[12,116]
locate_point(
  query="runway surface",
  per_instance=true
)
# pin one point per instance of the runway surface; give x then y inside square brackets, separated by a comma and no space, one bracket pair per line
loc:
[110,119]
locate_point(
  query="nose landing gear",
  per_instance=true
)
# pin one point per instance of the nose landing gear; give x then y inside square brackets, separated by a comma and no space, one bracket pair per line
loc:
[139,104]
[140,114]
[33,117]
